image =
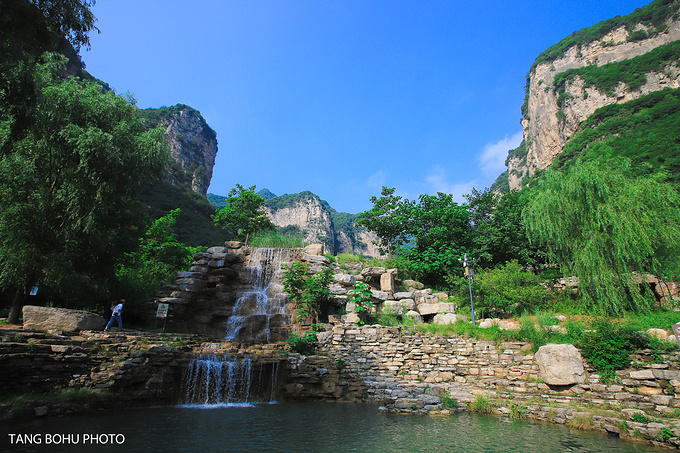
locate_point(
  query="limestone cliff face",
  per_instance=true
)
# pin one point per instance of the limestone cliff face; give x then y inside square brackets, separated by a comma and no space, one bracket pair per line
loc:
[319,223]
[310,216]
[193,147]
[550,119]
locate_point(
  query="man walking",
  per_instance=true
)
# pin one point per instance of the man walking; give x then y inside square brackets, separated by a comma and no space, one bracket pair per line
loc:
[117,310]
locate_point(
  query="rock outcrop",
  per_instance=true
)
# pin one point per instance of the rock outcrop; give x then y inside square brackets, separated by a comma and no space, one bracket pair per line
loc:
[60,319]
[551,116]
[560,364]
[192,143]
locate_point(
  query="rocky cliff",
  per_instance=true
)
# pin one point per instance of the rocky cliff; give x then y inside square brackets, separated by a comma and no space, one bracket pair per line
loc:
[192,143]
[614,62]
[319,222]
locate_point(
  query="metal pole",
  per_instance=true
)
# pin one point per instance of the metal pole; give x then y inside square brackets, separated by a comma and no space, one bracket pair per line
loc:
[472,304]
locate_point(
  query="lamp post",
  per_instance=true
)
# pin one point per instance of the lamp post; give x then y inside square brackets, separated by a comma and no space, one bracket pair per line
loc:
[469,273]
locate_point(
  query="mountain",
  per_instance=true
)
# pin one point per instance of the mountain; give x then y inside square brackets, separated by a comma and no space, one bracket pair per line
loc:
[616,67]
[192,143]
[306,214]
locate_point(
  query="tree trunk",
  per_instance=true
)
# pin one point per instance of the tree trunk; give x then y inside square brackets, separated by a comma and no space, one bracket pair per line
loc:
[17,305]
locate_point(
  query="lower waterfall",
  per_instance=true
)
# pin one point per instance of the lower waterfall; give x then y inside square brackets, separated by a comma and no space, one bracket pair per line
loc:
[215,380]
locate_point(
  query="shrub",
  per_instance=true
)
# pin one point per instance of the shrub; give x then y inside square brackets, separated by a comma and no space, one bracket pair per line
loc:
[361,297]
[608,345]
[301,344]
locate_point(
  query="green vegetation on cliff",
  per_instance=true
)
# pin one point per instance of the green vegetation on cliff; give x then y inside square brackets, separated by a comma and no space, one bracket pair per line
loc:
[653,16]
[644,130]
[632,72]
[153,117]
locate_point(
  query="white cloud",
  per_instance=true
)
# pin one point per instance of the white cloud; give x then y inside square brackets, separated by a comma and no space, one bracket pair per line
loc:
[492,159]
[376,180]
[437,182]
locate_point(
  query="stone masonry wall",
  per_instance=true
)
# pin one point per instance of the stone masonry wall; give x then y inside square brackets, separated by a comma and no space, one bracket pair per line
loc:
[409,372]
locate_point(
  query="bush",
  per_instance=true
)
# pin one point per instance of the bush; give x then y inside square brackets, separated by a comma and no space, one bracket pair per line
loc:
[608,345]
[510,290]
[301,344]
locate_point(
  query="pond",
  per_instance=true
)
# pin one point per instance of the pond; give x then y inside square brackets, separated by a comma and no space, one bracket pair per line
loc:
[298,427]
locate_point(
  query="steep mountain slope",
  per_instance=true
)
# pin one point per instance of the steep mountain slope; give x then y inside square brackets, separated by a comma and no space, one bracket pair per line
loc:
[316,220]
[613,62]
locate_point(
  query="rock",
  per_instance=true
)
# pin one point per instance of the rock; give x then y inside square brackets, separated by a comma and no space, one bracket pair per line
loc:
[560,364]
[393,306]
[48,318]
[373,271]
[379,295]
[314,249]
[432,309]
[485,324]
[316,259]
[443,297]
[41,411]
[658,333]
[415,316]
[233,245]
[413,284]
[445,318]
[408,304]
[387,282]
[508,325]
[403,295]
[345,279]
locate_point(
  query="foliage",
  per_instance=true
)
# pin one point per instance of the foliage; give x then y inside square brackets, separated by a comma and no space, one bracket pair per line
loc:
[603,223]
[388,219]
[309,292]
[632,72]
[243,215]
[482,404]
[159,257]
[69,167]
[361,297]
[643,130]
[301,344]
[608,345]
[509,290]
[498,231]
[276,240]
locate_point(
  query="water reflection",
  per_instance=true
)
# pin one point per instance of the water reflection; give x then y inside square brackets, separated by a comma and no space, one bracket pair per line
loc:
[310,427]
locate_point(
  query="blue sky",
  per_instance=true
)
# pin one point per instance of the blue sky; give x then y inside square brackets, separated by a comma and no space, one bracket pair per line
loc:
[341,97]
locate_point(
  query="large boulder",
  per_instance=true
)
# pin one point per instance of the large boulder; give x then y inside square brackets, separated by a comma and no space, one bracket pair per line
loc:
[560,364]
[447,318]
[48,318]
[433,309]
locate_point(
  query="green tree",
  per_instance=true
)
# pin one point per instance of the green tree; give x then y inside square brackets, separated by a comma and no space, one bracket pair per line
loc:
[388,219]
[440,228]
[68,176]
[156,262]
[498,232]
[509,290]
[309,291]
[243,214]
[603,222]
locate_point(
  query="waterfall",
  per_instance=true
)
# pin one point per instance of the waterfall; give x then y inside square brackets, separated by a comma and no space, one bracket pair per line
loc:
[261,308]
[215,380]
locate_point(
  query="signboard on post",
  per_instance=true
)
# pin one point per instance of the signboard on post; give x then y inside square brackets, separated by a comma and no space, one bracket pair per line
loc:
[162,311]
[676,332]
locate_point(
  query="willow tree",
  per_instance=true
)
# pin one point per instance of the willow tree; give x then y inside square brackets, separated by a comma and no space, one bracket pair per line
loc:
[605,223]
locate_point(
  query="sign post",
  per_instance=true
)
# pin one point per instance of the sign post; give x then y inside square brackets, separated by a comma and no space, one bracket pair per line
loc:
[162,312]
[469,274]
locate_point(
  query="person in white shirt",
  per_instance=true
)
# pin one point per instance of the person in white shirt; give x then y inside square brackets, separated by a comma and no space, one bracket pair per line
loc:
[117,310]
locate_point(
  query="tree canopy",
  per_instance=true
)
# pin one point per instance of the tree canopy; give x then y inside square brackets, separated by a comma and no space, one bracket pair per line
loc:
[603,223]
[243,214]
[68,176]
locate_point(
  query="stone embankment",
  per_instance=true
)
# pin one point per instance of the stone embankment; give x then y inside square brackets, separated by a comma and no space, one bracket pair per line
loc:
[59,373]
[409,372]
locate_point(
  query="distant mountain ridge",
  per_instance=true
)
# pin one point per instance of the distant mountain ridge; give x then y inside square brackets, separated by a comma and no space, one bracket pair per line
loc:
[318,222]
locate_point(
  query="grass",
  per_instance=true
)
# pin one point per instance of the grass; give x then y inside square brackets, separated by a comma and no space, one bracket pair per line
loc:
[276,240]
[58,395]
[482,404]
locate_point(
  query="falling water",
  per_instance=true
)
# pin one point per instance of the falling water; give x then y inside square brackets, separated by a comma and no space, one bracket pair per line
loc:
[264,302]
[214,380]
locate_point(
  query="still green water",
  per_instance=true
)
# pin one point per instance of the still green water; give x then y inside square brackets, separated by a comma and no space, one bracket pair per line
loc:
[298,427]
